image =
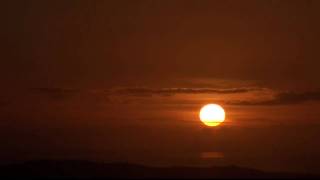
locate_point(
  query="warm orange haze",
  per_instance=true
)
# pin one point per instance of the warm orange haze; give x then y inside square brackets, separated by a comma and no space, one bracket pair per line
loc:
[212,115]
[219,84]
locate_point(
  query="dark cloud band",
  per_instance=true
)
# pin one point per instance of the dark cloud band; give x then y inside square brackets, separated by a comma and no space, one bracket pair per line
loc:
[173,91]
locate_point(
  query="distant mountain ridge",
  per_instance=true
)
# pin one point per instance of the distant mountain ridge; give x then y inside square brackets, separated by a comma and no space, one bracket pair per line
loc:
[90,169]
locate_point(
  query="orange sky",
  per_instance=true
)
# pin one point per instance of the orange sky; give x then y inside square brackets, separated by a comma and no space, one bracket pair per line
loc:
[125,80]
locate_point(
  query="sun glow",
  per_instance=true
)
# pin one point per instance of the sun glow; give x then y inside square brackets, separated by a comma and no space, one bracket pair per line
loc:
[212,114]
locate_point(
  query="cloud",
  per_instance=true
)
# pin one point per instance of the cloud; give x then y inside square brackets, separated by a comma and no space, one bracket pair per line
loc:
[284,98]
[112,94]
[141,91]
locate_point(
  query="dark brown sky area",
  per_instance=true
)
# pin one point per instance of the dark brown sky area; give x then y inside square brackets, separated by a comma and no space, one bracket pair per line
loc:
[125,80]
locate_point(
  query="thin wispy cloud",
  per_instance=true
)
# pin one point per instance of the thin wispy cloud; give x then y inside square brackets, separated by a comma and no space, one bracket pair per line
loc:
[174,91]
[148,91]
[283,98]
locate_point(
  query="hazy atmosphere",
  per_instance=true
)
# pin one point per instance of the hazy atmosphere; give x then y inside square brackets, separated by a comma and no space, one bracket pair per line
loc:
[124,81]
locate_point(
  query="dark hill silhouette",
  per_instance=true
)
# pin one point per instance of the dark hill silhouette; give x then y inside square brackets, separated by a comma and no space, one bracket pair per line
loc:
[84,169]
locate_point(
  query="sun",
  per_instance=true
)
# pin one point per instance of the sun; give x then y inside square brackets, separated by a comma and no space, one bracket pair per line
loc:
[212,114]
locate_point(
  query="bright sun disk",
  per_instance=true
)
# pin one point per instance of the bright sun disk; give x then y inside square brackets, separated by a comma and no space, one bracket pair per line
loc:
[212,114]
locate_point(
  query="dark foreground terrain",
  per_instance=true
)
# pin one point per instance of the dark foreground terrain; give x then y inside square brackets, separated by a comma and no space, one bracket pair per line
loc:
[85,169]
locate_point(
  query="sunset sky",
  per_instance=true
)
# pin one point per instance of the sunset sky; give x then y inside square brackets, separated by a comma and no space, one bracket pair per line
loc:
[123,81]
